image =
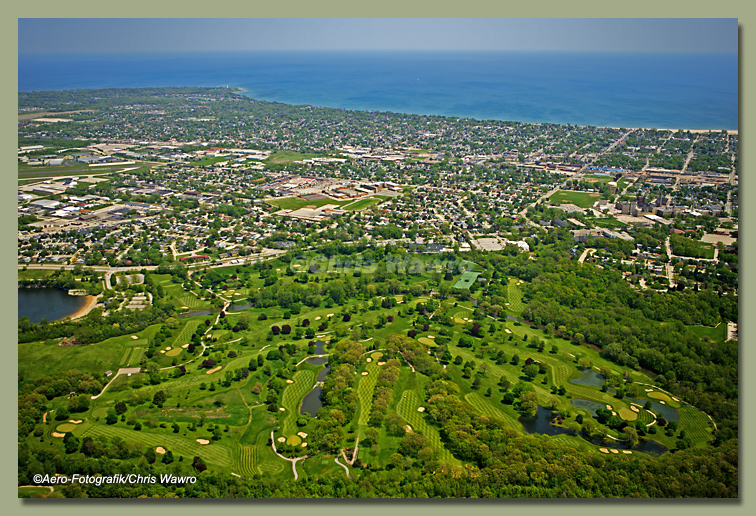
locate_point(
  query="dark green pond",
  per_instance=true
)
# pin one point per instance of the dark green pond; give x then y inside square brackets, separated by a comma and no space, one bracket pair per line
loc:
[47,303]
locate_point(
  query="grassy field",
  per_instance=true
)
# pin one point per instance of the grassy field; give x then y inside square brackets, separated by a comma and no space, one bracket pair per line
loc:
[294,203]
[288,156]
[365,392]
[582,199]
[514,296]
[407,408]
[361,204]
[292,398]
[717,333]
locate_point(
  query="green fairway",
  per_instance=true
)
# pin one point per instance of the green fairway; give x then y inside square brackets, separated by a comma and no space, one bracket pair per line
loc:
[292,398]
[407,408]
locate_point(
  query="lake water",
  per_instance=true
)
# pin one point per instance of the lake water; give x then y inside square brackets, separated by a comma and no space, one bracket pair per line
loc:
[311,403]
[48,303]
[623,89]
[541,423]
[589,377]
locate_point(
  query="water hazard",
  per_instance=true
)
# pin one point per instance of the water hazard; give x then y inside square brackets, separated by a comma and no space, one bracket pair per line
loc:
[589,377]
[47,303]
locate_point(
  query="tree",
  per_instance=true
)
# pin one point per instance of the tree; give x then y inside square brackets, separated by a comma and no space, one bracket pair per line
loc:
[631,434]
[529,403]
[120,407]
[159,398]
[70,442]
[530,371]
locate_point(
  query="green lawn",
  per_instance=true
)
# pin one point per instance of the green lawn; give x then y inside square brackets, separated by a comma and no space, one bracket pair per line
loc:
[362,204]
[294,203]
[582,199]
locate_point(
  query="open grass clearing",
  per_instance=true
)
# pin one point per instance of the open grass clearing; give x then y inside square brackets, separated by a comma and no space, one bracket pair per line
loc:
[582,199]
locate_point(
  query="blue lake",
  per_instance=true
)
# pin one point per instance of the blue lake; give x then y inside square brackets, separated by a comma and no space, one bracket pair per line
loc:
[47,303]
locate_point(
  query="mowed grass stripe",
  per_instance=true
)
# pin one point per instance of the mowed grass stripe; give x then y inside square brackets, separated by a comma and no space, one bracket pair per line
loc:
[186,333]
[190,301]
[514,296]
[125,356]
[292,397]
[486,408]
[365,392]
[696,424]
[212,453]
[407,408]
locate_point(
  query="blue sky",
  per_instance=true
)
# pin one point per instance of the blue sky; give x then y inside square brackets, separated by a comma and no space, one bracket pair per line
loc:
[160,35]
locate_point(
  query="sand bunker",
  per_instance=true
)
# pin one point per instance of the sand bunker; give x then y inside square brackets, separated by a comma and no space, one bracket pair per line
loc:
[369,359]
[421,409]
[203,441]
[160,450]
[408,429]
[289,381]
[304,445]
[74,421]
[330,315]
[364,373]
[603,450]
[58,434]
[281,439]
[381,363]
[662,402]
[649,390]
[214,369]
[675,398]
[431,336]
[134,337]
[634,408]
[282,409]
[185,345]
[608,407]
[507,330]
[317,318]
[614,451]
[627,452]
[303,435]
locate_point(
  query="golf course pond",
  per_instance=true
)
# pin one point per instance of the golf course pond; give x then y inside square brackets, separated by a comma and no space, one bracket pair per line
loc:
[312,403]
[47,303]
[541,423]
[589,377]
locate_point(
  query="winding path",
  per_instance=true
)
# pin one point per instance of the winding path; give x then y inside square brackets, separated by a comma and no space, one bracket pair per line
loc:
[293,461]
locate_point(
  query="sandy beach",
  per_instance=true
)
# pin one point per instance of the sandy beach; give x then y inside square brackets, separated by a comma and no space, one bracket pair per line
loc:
[728,131]
[84,310]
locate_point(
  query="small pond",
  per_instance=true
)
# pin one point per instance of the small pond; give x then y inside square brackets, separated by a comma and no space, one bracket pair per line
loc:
[589,377]
[194,314]
[311,403]
[541,423]
[588,405]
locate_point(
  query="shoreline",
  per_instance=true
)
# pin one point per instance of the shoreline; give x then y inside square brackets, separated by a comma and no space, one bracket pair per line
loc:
[695,131]
[84,310]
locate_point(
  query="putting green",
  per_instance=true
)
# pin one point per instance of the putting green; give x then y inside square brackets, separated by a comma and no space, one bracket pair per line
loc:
[294,440]
[376,355]
[100,412]
[459,321]
[66,427]
[173,352]
[659,396]
[627,414]
[426,341]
